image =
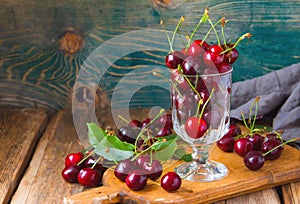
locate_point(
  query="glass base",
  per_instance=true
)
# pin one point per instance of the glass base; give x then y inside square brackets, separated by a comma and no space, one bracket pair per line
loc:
[210,171]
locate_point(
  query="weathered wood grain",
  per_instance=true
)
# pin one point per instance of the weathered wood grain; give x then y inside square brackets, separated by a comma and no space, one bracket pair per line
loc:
[291,193]
[42,182]
[20,130]
[35,73]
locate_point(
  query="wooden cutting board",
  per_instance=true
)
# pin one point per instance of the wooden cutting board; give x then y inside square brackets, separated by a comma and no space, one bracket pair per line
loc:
[240,180]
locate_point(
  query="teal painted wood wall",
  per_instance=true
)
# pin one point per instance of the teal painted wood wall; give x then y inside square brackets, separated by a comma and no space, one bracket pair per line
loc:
[35,72]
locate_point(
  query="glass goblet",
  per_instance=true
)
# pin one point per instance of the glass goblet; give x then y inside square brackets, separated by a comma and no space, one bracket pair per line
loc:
[200,114]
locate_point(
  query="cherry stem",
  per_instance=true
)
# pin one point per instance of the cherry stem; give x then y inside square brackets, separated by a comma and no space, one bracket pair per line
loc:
[97,161]
[168,38]
[85,157]
[167,79]
[213,27]
[202,19]
[175,31]
[122,118]
[289,141]
[246,35]
[205,104]
[146,126]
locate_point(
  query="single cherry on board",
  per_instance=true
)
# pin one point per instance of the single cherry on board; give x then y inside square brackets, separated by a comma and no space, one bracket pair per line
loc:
[226,143]
[73,158]
[269,145]
[242,146]
[153,170]
[89,177]
[170,181]
[136,180]
[69,173]
[254,160]
[123,168]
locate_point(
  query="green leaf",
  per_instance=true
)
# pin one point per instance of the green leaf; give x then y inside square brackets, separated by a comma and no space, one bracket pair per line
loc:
[167,153]
[180,153]
[105,149]
[164,142]
[118,144]
[95,134]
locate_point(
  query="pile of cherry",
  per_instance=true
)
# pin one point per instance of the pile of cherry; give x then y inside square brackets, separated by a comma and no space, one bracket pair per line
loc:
[253,147]
[160,127]
[85,170]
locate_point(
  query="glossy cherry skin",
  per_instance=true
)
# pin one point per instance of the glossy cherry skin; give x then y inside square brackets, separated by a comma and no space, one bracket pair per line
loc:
[153,170]
[123,168]
[69,173]
[89,177]
[164,131]
[136,180]
[231,56]
[192,66]
[135,123]
[269,145]
[257,140]
[165,121]
[73,158]
[242,146]
[234,130]
[254,160]
[195,128]
[170,181]
[226,143]
[224,67]
[174,59]
[213,56]
[90,162]
[128,134]
[197,48]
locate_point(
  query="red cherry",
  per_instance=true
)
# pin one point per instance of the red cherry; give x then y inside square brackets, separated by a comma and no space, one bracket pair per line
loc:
[153,170]
[231,56]
[242,146]
[174,59]
[73,159]
[135,123]
[69,173]
[89,177]
[212,57]
[254,160]
[196,49]
[269,145]
[123,168]
[226,143]
[136,180]
[224,67]
[195,127]
[170,181]
[234,130]
[256,139]
[192,66]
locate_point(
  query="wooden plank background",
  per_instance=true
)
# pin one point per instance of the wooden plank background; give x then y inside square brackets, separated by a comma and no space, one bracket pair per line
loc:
[35,72]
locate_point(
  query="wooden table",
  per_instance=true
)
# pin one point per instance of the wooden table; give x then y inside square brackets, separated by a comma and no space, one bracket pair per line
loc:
[33,148]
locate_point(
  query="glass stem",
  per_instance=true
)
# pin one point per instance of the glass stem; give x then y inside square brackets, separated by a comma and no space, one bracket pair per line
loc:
[200,153]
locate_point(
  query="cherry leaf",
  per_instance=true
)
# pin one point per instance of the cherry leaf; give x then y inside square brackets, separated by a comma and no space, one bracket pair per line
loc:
[118,144]
[109,152]
[167,153]
[95,134]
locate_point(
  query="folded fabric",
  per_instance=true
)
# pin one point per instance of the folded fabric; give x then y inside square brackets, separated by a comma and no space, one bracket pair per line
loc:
[279,91]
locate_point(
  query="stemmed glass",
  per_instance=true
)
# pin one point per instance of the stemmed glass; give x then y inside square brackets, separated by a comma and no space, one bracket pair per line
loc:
[200,114]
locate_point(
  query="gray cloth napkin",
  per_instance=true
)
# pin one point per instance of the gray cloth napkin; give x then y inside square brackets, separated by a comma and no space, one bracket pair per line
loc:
[279,91]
